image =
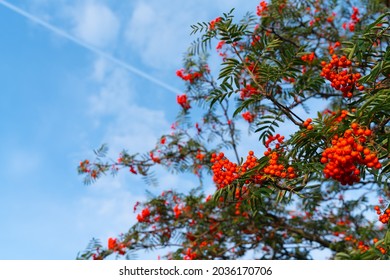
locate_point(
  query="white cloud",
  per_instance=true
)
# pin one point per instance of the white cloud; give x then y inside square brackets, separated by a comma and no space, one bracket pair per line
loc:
[107,207]
[178,182]
[115,94]
[136,130]
[99,69]
[127,125]
[158,37]
[106,211]
[95,23]
[160,33]
[43,8]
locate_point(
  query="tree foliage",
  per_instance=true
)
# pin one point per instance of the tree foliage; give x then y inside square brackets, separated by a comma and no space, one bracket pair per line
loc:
[321,184]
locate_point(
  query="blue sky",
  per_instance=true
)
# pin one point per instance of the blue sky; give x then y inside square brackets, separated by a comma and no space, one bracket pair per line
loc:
[59,101]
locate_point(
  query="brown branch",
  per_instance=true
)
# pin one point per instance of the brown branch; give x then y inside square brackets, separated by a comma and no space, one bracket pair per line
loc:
[306,235]
[309,236]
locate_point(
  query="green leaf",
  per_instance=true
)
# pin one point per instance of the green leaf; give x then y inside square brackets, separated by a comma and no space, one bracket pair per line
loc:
[387,238]
[351,53]
[342,256]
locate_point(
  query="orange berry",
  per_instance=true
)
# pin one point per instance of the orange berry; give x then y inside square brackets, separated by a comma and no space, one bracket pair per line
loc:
[367,132]
[362,139]
[354,126]
[347,133]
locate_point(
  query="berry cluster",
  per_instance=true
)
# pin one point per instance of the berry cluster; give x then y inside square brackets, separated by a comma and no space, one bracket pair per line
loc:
[116,246]
[383,217]
[213,22]
[336,117]
[343,115]
[272,138]
[248,116]
[307,124]
[189,255]
[221,50]
[183,101]
[255,40]
[144,216]
[177,211]
[340,78]
[247,91]
[354,20]
[276,169]
[84,166]
[251,162]
[358,243]
[154,158]
[200,156]
[224,170]
[354,17]
[308,57]
[190,77]
[382,250]
[262,9]
[362,246]
[123,160]
[332,47]
[220,45]
[132,170]
[347,153]
[330,19]
[289,80]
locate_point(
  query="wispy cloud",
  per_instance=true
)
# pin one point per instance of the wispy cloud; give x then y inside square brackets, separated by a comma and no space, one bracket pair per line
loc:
[131,126]
[157,34]
[90,47]
[160,33]
[95,23]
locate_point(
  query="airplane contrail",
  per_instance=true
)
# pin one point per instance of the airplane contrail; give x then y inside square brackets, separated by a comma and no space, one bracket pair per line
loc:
[87,46]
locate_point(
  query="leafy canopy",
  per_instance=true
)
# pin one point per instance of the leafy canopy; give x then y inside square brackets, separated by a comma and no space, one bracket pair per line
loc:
[319,183]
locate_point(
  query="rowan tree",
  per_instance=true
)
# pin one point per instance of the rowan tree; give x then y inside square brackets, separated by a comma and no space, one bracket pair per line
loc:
[311,79]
